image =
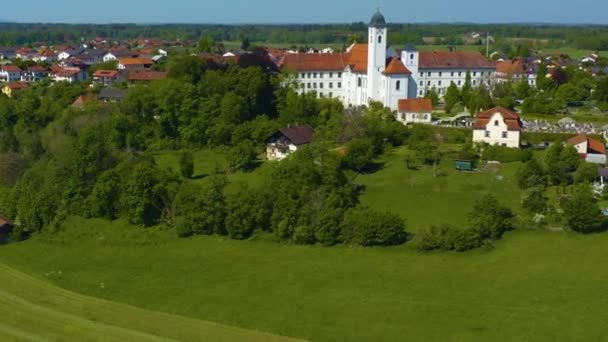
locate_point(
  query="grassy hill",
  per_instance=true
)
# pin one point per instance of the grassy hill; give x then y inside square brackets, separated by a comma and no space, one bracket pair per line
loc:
[534,285]
[33,310]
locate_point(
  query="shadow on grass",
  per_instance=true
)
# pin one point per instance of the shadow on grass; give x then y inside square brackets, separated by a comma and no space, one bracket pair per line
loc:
[198,177]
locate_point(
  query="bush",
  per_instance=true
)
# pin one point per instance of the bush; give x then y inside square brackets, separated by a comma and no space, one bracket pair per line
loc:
[360,155]
[581,212]
[490,219]
[449,238]
[367,227]
[535,201]
[242,157]
[501,154]
[186,164]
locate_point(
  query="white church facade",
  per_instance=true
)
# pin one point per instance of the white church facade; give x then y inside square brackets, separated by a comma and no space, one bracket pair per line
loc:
[367,72]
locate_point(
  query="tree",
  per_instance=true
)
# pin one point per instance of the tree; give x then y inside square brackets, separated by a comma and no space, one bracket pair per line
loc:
[186,164]
[432,95]
[582,213]
[247,210]
[206,44]
[586,173]
[467,89]
[452,97]
[535,200]
[530,174]
[367,227]
[245,44]
[561,161]
[360,155]
[490,219]
[242,157]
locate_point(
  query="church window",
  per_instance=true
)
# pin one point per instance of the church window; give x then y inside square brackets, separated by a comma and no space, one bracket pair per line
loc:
[398,86]
[412,56]
[421,83]
[421,74]
[421,93]
[359,84]
[496,123]
[339,84]
[379,39]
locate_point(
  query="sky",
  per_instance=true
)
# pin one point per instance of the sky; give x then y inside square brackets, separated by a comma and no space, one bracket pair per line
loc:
[306,11]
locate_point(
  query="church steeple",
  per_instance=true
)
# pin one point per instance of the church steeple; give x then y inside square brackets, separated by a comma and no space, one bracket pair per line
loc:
[376,55]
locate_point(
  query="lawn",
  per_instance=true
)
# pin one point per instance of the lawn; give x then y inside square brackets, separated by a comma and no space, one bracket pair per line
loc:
[532,286]
[535,285]
[33,310]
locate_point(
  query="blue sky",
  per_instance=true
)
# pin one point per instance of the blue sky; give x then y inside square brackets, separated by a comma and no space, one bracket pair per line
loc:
[304,11]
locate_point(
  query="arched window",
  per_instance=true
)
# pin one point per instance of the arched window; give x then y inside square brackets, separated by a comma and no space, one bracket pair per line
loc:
[379,39]
[496,123]
[412,56]
[398,85]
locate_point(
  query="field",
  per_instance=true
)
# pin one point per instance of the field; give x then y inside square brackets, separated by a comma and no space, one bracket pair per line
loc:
[533,285]
[33,310]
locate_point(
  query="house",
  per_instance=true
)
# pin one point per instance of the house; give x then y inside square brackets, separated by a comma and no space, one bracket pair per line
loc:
[45,55]
[106,77]
[34,74]
[8,53]
[10,88]
[498,126]
[415,111]
[82,100]
[516,70]
[25,54]
[112,95]
[10,73]
[134,63]
[590,150]
[70,75]
[287,141]
[116,54]
[146,75]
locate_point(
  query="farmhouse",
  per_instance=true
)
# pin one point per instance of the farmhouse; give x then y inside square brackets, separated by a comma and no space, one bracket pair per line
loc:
[415,111]
[376,72]
[498,126]
[287,141]
[590,150]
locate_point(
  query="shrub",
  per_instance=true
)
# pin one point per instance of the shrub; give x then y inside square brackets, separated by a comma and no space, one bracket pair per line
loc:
[186,164]
[501,154]
[367,227]
[582,213]
[449,238]
[490,218]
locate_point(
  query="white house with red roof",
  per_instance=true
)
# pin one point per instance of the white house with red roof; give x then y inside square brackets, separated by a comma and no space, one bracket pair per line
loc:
[10,73]
[590,150]
[415,111]
[287,141]
[366,72]
[498,126]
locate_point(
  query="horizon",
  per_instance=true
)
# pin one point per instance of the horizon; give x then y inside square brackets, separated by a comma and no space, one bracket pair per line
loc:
[275,12]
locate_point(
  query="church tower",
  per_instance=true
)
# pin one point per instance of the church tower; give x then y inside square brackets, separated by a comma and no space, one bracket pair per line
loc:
[376,56]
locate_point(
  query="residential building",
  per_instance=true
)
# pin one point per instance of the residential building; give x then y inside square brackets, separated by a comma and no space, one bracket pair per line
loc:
[69,75]
[45,55]
[498,126]
[112,95]
[106,78]
[34,74]
[10,73]
[134,63]
[287,141]
[516,70]
[415,111]
[590,150]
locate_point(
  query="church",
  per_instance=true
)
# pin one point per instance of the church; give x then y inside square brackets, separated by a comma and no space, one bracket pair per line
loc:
[375,72]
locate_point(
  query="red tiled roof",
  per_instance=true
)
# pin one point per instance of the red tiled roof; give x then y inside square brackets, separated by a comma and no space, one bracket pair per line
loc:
[11,68]
[593,146]
[356,57]
[47,53]
[454,60]
[16,85]
[416,106]
[314,61]
[510,118]
[82,100]
[146,75]
[67,72]
[395,67]
[135,61]
[105,73]
[510,67]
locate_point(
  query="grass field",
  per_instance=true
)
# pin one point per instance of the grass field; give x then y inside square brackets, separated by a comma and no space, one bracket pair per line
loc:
[33,310]
[533,286]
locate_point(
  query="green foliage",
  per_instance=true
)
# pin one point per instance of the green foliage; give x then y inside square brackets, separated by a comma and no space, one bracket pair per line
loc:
[582,213]
[560,162]
[242,157]
[186,164]
[490,219]
[433,96]
[452,97]
[367,227]
[206,44]
[535,200]
[360,154]
[247,210]
[586,173]
[501,154]
[530,175]
[448,238]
